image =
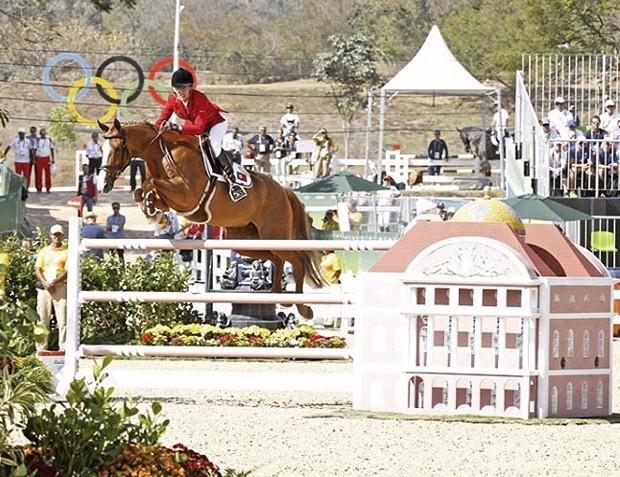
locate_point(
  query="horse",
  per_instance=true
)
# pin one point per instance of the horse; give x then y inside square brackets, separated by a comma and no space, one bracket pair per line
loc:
[177,179]
[472,138]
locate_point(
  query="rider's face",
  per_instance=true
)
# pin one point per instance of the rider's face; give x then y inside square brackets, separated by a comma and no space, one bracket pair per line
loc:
[182,92]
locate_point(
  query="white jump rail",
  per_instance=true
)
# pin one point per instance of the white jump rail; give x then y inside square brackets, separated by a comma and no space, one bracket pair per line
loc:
[76,297]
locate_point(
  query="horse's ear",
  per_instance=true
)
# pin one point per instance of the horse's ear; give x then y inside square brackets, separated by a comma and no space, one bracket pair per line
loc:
[458,129]
[102,126]
[117,124]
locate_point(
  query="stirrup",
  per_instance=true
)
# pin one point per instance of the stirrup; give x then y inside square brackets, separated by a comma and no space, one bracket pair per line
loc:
[236,192]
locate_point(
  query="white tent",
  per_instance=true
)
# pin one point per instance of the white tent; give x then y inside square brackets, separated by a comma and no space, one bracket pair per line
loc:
[434,71]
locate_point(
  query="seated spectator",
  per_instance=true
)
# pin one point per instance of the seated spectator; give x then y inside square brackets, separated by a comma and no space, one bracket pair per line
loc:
[93,230]
[560,116]
[549,134]
[581,171]
[608,169]
[558,159]
[610,118]
[330,222]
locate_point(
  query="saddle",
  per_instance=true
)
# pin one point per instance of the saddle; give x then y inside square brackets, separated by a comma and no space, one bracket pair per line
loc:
[240,175]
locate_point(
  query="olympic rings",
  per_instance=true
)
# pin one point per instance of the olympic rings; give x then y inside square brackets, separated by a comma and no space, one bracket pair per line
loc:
[124,96]
[138,86]
[159,65]
[73,94]
[56,59]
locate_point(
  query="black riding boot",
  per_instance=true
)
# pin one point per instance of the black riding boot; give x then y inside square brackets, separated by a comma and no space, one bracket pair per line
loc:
[235,191]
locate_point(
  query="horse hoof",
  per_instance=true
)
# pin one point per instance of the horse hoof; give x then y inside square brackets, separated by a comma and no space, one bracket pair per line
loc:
[137,195]
[305,312]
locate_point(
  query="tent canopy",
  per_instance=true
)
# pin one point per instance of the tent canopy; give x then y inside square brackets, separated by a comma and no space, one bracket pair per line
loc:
[435,71]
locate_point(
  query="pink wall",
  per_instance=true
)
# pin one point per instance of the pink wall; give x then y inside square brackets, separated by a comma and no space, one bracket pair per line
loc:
[578,326]
[586,299]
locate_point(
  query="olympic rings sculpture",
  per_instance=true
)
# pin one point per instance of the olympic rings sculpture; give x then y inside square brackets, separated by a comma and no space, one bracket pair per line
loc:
[105,88]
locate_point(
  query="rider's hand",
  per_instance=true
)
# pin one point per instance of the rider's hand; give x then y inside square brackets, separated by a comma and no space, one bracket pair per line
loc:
[169,125]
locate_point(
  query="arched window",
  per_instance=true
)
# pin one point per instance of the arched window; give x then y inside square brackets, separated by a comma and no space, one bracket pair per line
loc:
[569,397]
[584,396]
[556,344]
[422,346]
[599,395]
[586,344]
[570,346]
[554,400]
[601,344]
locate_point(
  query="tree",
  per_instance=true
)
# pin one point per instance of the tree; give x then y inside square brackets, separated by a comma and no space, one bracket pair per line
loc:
[350,70]
[62,124]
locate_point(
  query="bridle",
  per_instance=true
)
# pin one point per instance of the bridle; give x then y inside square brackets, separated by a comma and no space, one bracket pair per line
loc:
[116,171]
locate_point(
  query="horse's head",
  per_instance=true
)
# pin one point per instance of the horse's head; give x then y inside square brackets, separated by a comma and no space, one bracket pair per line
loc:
[119,157]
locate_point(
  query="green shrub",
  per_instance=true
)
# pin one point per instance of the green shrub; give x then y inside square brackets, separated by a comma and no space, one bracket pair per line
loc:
[78,436]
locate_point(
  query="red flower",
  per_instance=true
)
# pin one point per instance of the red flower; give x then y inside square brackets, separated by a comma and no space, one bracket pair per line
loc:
[147,338]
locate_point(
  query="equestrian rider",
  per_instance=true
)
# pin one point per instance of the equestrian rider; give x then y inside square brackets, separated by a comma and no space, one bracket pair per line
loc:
[201,116]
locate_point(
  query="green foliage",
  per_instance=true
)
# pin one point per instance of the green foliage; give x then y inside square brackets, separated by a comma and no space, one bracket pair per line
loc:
[62,124]
[81,434]
[350,69]
[19,330]
[125,322]
[4,117]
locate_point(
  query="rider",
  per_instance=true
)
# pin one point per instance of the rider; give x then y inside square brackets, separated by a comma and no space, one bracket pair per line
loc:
[201,116]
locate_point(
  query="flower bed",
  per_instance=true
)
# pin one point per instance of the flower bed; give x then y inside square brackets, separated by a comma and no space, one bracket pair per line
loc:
[253,336]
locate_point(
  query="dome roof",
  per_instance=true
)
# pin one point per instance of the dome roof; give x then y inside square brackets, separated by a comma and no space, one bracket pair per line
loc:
[488,210]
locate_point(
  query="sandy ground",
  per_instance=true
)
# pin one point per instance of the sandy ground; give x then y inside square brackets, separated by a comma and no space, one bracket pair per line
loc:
[289,433]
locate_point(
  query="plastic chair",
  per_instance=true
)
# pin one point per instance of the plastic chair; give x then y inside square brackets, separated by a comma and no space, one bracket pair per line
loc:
[603,241]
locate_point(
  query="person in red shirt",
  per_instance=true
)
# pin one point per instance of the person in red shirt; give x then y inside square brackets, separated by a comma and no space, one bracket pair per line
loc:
[201,117]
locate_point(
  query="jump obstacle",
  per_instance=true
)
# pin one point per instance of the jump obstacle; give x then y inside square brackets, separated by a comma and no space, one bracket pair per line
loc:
[76,297]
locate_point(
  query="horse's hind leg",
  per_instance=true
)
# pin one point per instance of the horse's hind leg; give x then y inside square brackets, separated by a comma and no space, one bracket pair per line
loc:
[299,271]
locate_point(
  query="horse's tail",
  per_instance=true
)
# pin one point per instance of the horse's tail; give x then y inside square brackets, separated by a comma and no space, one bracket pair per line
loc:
[301,231]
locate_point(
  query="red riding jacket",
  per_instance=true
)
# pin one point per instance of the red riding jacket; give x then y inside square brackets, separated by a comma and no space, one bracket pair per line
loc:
[200,115]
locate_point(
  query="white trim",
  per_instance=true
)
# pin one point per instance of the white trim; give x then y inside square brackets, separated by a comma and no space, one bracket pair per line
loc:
[467,372]
[580,372]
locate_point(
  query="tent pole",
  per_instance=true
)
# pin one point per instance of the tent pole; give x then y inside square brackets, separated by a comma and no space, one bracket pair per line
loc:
[381,123]
[368,128]
[502,161]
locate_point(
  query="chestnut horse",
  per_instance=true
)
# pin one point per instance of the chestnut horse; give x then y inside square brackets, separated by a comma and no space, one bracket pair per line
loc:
[177,179]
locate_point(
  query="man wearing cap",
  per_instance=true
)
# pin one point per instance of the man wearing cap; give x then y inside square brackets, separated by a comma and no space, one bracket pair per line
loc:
[324,148]
[51,274]
[201,117]
[548,134]
[560,116]
[92,230]
[573,132]
[609,119]
[21,151]
[289,122]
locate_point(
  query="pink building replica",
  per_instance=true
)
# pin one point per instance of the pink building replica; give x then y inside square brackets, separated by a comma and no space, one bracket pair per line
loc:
[483,315]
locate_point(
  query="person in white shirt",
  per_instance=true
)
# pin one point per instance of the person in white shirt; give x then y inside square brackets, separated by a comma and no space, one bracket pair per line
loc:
[500,120]
[289,122]
[609,119]
[94,154]
[44,158]
[560,116]
[548,134]
[233,143]
[21,150]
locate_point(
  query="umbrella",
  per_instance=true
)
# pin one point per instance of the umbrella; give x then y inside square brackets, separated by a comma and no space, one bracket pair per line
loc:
[534,207]
[341,183]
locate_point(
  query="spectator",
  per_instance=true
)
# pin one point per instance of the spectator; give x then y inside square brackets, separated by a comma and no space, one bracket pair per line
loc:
[558,160]
[21,151]
[595,132]
[115,228]
[331,267]
[262,145]
[548,134]
[573,132]
[93,230]
[581,171]
[51,274]
[329,221]
[280,151]
[233,143]
[610,118]
[172,229]
[442,212]
[190,231]
[33,138]
[87,188]
[43,162]
[355,216]
[437,151]
[560,116]
[289,122]
[608,168]
[94,153]
[324,148]
[136,164]
[291,146]
[500,120]
[386,198]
